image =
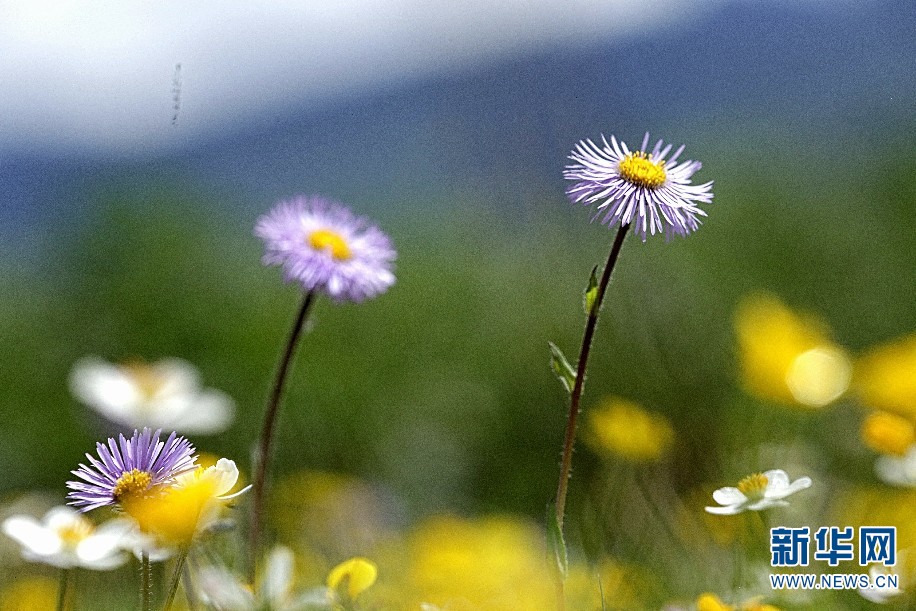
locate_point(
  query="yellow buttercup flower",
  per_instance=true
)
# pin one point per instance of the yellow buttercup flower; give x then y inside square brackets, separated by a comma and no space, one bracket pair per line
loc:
[175,513]
[888,433]
[353,577]
[787,357]
[886,377]
[710,602]
[623,428]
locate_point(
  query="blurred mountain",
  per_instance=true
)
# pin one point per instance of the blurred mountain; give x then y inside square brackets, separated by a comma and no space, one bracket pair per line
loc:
[823,76]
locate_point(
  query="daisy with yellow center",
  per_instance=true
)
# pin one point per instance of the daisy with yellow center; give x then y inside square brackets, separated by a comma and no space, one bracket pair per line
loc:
[65,539]
[645,188]
[326,240]
[325,247]
[756,492]
[166,394]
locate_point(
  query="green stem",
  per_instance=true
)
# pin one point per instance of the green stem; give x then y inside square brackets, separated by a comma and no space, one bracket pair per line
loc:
[146,590]
[176,579]
[63,592]
[576,394]
[262,458]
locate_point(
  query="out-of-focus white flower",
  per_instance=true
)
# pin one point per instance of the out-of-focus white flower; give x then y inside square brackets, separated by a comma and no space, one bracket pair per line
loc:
[898,470]
[164,395]
[65,538]
[757,492]
[219,588]
[883,594]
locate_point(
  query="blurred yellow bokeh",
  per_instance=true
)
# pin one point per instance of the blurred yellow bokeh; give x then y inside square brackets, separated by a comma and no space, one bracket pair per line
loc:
[788,357]
[885,377]
[888,433]
[29,594]
[619,427]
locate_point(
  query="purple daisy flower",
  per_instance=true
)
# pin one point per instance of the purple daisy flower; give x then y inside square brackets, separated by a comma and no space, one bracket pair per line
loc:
[641,187]
[130,467]
[322,245]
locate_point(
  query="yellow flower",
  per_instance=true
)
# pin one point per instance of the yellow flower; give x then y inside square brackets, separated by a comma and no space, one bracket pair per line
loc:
[886,377]
[174,514]
[787,357]
[710,602]
[353,577]
[621,427]
[888,433]
[494,564]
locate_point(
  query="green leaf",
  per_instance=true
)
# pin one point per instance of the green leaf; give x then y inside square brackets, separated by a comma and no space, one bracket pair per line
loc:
[591,292]
[556,545]
[561,368]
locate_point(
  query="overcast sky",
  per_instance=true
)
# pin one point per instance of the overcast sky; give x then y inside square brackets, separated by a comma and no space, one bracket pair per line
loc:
[98,76]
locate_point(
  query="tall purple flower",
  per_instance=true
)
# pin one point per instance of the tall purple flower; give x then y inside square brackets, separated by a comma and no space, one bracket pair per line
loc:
[640,187]
[130,467]
[322,245]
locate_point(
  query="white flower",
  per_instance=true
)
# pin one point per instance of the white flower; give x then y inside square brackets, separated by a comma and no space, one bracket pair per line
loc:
[65,538]
[898,470]
[756,492]
[876,594]
[163,395]
[222,590]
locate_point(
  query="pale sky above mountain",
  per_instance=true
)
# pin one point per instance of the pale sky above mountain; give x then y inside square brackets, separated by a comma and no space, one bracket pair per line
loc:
[100,76]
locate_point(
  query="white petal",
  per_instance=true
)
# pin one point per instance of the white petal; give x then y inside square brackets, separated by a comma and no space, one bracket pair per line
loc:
[219,588]
[61,517]
[766,504]
[107,389]
[897,471]
[799,484]
[725,511]
[225,474]
[211,411]
[278,576]
[103,549]
[728,496]
[34,537]
[777,481]
[179,377]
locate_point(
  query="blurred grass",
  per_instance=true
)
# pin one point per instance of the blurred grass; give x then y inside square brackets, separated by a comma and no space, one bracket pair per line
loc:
[440,390]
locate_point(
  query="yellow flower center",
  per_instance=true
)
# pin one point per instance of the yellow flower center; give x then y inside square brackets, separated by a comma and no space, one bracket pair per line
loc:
[174,513]
[134,483]
[639,169]
[753,486]
[327,240]
[145,376]
[73,533]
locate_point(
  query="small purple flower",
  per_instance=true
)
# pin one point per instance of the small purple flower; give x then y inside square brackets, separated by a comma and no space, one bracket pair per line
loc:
[130,467]
[641,187]
[322,245]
